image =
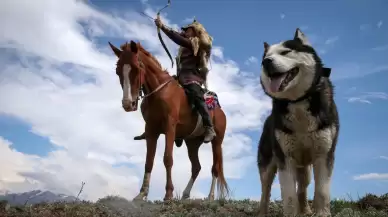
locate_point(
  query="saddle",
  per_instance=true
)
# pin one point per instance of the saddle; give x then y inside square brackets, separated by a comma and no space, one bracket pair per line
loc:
[210,97]
[211,100]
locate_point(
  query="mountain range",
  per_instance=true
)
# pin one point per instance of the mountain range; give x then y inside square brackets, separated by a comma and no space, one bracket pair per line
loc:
[34,197]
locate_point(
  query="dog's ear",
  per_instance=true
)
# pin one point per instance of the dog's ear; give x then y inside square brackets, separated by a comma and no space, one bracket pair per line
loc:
[266,46]
[301,37]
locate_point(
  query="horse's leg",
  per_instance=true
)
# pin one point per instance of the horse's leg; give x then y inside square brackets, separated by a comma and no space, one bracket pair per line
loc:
[167,158]
[217,168]
[144,109]
[192,150]
[151,149]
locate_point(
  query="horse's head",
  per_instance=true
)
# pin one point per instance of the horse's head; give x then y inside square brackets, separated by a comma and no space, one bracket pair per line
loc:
[130,71]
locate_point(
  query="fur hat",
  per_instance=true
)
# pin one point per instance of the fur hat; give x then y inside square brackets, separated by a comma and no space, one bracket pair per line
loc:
[203,38]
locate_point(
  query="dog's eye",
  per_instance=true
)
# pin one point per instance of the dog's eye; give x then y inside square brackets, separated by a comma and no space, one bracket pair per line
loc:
[283,53]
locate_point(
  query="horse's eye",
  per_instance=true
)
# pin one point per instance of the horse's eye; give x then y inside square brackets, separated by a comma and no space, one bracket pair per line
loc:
[283,53]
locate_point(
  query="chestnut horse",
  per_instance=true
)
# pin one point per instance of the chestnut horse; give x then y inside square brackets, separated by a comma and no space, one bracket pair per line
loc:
[166,110]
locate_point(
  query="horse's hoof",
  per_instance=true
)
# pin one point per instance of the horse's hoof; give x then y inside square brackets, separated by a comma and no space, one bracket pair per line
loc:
[140,197]
[167,199]
[185,197]
[307,211]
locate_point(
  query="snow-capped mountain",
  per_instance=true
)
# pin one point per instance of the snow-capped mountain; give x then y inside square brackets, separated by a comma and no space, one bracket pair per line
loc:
[37,196]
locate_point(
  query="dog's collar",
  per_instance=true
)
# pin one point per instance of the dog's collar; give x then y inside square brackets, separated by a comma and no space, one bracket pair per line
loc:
[326,72]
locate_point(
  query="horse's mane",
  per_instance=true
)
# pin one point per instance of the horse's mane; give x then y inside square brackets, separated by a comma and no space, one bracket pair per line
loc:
[146,53]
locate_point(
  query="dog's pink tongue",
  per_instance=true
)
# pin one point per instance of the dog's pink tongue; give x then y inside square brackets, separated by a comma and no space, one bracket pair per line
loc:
[275,83]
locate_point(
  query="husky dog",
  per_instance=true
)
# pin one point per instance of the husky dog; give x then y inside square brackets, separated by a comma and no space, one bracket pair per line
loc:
[301,131]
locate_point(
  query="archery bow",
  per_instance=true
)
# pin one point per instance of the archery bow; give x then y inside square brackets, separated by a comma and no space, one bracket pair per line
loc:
[160,36]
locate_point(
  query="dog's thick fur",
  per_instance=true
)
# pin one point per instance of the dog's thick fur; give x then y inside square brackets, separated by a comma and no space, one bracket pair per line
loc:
[301,131]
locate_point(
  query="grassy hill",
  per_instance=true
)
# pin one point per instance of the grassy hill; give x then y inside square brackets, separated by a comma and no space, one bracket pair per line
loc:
[112,206]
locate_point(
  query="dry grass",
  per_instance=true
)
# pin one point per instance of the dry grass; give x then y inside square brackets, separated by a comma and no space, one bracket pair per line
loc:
[368,206]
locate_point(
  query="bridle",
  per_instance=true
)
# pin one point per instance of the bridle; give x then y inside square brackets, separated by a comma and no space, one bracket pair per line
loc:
[142,70]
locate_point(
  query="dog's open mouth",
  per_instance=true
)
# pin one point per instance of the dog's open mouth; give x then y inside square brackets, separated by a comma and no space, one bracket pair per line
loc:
[279,81]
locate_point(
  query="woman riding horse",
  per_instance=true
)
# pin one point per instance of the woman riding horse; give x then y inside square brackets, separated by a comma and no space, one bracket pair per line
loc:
[194,52]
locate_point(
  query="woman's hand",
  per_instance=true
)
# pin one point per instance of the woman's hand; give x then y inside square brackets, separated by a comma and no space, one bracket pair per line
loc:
[158,23]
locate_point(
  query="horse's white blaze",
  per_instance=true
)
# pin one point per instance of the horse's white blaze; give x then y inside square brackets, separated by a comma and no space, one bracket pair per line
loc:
[127,96]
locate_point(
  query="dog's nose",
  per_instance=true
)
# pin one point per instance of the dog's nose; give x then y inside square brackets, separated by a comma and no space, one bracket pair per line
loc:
[267,63]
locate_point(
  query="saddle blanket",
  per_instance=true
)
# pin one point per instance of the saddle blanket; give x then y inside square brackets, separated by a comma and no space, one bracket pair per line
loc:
[211,100]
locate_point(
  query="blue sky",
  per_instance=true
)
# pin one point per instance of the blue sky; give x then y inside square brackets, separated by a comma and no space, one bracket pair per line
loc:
[350,36]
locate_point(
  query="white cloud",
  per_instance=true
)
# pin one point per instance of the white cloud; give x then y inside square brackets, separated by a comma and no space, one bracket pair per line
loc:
[364,27]
[63,84]
[16,162]
[331,40]
[323,46]
[381,48]
[383,157]
[62,173]
[282,16]
[356,70]
[188,20]
[218,52]
[371,176]
[379,24]
[364,98]
[358,99]
[251,60]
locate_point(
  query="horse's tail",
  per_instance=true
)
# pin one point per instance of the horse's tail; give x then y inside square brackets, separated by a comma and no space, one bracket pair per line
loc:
[222,185]
[220,126]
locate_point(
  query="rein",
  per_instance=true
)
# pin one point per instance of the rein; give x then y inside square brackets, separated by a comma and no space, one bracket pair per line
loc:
[141,82]
[158,88]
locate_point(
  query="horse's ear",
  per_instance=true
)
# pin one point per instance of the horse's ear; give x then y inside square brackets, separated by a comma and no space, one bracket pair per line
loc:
[266,46]
[115,50]
[134,47]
